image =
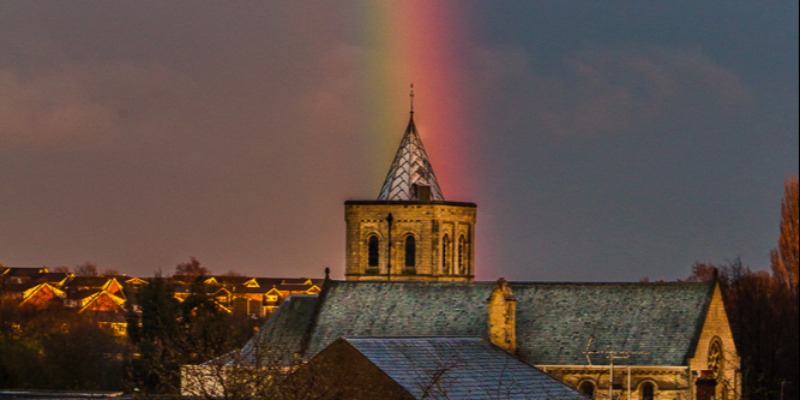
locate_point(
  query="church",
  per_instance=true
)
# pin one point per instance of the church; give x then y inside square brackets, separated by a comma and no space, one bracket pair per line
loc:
[410,285]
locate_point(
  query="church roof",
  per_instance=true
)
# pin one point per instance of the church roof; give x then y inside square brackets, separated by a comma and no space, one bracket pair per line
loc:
[458,368]
[409,170]
[281,336]
[554,321]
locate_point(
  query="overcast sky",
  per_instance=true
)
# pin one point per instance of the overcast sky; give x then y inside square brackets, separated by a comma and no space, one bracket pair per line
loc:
[600,140]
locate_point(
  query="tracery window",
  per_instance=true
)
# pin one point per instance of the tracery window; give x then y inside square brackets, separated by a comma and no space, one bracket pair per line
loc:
[411,251]
[446,254]
[462,256]
[715,356]
[373,251]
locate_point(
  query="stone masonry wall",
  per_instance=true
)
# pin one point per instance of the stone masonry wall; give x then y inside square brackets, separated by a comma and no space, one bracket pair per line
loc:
[428,222]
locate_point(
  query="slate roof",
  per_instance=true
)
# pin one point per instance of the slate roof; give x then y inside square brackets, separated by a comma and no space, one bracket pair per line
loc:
[458,368]
[282,335]
[410,167]
[554,321]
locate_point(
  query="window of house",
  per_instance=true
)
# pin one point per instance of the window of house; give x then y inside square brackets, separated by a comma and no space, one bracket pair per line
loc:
[372,251]
[647,391]
[411,251]
[587,388]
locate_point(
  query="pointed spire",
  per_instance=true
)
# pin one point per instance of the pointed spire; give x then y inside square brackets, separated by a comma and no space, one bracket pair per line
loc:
[411,176]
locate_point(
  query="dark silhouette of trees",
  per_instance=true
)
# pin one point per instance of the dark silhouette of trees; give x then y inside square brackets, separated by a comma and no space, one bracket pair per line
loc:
[154,337]
[88,268]
[785,256]
[172,333]
[55,348]
[192,268]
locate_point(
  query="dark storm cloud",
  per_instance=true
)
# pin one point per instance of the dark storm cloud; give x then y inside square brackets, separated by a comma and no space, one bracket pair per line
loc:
[607,91]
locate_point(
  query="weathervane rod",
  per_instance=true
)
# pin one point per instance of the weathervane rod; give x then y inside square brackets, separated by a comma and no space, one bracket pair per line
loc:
[411,96]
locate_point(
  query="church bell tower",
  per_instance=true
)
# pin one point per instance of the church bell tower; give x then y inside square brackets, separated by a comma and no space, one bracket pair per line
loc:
[410,232]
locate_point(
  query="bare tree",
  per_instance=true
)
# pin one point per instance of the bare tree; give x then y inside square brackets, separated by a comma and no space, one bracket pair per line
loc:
[88,268]
[785,256]
[61,269]
[192,268]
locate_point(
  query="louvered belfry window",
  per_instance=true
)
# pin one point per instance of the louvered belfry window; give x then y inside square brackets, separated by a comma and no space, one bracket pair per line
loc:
[373,251]
[462,247]
[446,254]
[411,251]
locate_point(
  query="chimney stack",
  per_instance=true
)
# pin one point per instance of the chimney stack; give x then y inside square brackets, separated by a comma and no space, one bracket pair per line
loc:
[502,317]
[706,385]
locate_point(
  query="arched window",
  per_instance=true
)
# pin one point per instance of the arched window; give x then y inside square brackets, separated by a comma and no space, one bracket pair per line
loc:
[716,358]
[373,251]
[411,251]
[462,255]
[587,388]
[647,391]
[446,254]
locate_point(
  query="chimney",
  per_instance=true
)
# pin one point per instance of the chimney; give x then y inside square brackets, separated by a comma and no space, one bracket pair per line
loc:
[502,317]
[706,385]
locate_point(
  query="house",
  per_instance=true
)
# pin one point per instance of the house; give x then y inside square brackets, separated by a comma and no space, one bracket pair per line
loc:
[255,296]
[33,287]
[100,297]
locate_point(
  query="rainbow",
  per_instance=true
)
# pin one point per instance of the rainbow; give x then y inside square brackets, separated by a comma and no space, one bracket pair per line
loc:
[418,42]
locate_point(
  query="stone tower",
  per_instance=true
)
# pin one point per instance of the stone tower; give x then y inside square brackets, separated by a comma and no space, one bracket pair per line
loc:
[410,232]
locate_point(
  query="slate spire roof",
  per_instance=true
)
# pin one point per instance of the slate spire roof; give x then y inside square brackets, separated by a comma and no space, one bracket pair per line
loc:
[411,176]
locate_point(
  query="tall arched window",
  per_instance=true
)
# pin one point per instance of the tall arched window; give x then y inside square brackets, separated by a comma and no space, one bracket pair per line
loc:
[587,388]
[647,391]
[462,255]
[373,251]
[446,254]
[716,357]
[411,251]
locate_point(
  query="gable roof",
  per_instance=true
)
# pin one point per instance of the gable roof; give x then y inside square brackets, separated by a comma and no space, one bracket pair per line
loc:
[42,292]
[458,368]
[554,321]
[410,167]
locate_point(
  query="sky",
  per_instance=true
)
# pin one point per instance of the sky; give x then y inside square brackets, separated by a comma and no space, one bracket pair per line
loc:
[601,141]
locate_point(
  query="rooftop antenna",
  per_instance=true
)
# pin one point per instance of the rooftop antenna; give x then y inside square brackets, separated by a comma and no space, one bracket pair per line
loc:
[610,356]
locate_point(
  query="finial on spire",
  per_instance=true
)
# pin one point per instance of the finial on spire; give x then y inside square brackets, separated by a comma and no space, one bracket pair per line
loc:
[411,95]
